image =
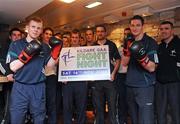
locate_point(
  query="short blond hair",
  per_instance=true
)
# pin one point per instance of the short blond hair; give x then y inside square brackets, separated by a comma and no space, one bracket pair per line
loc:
[35,18]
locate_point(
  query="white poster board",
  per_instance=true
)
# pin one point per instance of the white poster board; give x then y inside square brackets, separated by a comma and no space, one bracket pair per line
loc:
[84,63]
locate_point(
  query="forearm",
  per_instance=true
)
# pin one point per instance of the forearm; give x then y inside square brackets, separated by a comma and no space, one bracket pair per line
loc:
[16,65]
[51,62]
[116,66]
[125,60]
[150,66]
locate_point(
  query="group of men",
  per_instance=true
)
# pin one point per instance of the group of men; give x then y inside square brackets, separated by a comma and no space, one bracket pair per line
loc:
[144,81]
[152,78]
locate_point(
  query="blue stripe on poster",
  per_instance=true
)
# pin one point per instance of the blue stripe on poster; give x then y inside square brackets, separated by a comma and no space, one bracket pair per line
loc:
[82,72]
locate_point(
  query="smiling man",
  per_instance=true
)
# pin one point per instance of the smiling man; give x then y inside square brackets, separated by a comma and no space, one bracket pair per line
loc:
[27,58]
[15,34]
[106,88]
[140,54]
[74,92]
[168,75]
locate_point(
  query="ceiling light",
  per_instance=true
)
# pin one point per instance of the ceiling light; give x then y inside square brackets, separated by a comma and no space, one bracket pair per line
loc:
[144,11]
[26,30]
[18,21]
[93,5]
[67,1]
[111,19]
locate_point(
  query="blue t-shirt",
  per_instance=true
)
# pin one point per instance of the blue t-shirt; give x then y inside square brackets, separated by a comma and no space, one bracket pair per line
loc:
[137,76]
[33,71]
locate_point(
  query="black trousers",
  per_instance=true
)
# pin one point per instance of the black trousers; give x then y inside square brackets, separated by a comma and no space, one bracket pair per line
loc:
[102,90]
[168,95]
[121,98]
[74,92]
[51,92]
[6,100]
[59,99]
[2,102]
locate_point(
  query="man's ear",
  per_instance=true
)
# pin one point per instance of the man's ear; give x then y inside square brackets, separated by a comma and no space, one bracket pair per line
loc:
[41,30]
[26,28]
[10,37]
[172,31]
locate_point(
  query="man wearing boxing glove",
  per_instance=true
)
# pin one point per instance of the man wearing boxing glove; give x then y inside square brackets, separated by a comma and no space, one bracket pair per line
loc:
[139,53]
[141,60]
[128,39]
[27,58]
[54,45]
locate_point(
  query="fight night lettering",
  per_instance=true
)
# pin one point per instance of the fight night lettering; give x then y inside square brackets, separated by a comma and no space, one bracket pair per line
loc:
[92,58]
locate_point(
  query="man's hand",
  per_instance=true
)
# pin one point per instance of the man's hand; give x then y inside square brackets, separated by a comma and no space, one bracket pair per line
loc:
[33,48]
[65,82]
[113,76]
[127,43]
[10,78]
[56,46]
[139,53]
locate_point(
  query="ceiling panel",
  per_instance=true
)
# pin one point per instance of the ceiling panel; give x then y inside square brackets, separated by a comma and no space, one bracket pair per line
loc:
[69,14]
[60,15]
[13,10]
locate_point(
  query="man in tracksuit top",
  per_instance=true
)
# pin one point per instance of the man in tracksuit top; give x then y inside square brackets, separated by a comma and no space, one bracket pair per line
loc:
[51,81]
[27,58]
[140,54]
[168,75]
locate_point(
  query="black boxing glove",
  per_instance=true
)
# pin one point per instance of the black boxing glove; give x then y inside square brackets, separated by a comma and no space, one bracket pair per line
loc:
[139,53]
[56,46]
[33,48]
[127,43]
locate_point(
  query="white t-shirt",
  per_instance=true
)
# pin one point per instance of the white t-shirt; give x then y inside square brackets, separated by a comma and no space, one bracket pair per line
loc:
[122,69]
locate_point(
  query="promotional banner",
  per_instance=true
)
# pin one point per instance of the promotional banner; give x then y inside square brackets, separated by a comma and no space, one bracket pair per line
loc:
[84,63]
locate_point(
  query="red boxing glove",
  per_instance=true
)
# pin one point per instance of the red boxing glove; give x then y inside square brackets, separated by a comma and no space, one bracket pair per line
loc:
[127,44]
[144,61]
[56,51]
[24,57]
[126,50]
[56,46]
